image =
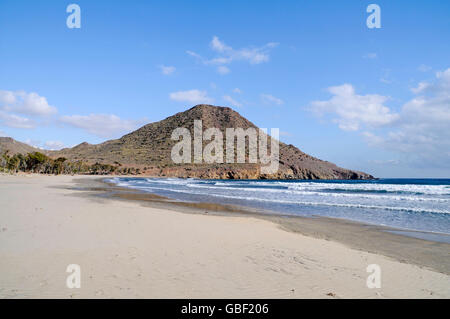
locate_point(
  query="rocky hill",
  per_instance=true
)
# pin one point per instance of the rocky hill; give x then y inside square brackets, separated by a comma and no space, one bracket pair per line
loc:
[15,147]
[149,149]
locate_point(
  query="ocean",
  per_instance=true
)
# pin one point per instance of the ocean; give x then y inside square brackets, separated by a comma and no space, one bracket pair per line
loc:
[406,204]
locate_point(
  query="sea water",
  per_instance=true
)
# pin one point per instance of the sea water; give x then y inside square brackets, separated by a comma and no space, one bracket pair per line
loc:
[406,204]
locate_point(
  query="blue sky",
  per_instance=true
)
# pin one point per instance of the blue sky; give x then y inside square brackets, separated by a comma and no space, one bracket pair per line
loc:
[376,100]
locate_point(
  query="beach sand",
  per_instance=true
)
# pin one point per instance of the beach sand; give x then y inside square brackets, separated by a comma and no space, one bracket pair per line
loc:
[129,250]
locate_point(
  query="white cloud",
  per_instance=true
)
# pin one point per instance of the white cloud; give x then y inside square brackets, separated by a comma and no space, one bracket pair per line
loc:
[167,70]
[351,110]
[237,90]
[441,85]
[227,55]
[49,145]
[286,134]
[195,55]
[25,103]
[3,134]
[53,145]
[223,70]
[16,121]
[102,125]
[419,132]
[191,96]
[219,46]
[424,68]
[385,162]
[231,101]
[7,97]
[370,55]
[372,139]
[270,99]
[15,104]
[422,86]
[34,143]
[425,122]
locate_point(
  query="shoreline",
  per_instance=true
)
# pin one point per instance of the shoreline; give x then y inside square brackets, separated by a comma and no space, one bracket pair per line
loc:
[387,241]
[150,248]
[425,234]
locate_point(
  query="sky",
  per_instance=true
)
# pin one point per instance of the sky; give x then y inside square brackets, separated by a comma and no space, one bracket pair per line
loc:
[369,99]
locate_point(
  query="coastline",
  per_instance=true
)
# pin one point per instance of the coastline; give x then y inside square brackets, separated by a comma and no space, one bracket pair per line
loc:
[387,241]
[151,248]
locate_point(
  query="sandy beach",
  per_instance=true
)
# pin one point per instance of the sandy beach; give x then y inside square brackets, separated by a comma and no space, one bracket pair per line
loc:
[129,250]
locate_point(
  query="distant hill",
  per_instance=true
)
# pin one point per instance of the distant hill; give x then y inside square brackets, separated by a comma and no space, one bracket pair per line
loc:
[149,149]
[14,147]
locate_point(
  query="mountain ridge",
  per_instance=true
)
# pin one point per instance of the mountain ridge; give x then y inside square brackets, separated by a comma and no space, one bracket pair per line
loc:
[15,147]
[149,149]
